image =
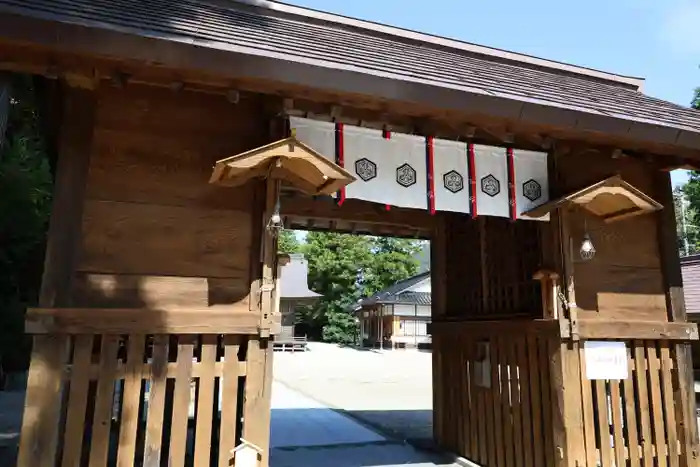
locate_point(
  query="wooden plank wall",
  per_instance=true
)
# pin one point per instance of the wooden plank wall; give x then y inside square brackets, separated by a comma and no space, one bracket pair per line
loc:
[155,233]
[624,280]
[499,414]
[143,229]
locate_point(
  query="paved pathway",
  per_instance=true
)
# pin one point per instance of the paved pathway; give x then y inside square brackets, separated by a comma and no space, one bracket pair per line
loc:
[389,390]
[306,433]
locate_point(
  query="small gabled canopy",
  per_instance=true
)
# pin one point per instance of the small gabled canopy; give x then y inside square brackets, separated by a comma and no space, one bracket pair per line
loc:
[611,199]
[288,159]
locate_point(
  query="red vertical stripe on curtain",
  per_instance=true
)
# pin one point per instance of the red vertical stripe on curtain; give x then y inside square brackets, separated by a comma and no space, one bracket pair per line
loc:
[429,141]
[511,184]
[387,135]
[472,179]
[340,157]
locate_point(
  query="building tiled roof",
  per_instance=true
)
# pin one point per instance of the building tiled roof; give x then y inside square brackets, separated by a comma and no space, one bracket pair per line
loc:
[294,282]
[330,41]
[399,293]
[690,268]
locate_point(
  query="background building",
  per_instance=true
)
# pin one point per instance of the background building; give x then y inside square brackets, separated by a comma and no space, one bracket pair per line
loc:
[398,316]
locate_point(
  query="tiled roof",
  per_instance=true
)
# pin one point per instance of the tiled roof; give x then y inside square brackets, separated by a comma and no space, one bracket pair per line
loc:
[318,40]
[399,293]
[690,268]
[294,279]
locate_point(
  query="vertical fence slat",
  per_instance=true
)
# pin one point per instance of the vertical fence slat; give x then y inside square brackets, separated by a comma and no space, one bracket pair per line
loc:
[458,398]
[634,453]
[601,406]
[205,402]
[528,432]
[464,409]
[535,398]
[496,394]
[451,432]
[617,421]
[548,427]
[488,408]
[656,403]
[643,403]
[156,401]
[229,402]
[131,398]
[517,404]
[588,417]
[181,400]
[438,396]
[681,393]
[77,400]
[99,447]
[482,439]
[467,407]
[39,435]
[669,412]
[475,429]
[507,407]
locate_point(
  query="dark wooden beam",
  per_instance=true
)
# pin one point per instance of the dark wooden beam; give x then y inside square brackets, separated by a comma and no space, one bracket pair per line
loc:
[40,426]
[356,211]
[675,306]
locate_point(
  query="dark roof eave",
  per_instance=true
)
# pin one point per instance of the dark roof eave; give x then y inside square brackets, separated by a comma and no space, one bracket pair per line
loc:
[186,53]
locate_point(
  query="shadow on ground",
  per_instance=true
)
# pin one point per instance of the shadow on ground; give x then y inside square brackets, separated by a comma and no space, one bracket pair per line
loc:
[319,437]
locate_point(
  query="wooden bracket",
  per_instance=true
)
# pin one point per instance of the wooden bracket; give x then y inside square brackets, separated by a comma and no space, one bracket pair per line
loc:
[549,286]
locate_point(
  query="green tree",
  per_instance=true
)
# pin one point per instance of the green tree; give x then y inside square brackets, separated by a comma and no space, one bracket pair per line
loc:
[288,242]
[25,196]
[344,268]
[336,262]
[393,260]
[688,218]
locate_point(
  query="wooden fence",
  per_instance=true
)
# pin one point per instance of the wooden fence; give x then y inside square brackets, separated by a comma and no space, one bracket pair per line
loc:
[638,421]
[495,391]
[516,394]
[163,399]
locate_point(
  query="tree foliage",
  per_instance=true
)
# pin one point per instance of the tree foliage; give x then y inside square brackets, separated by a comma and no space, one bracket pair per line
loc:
[344,268]
[688,214]
[288,242]
[25,196]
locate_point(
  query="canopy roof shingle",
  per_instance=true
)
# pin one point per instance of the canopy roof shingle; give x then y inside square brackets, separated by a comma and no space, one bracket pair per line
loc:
[499,83]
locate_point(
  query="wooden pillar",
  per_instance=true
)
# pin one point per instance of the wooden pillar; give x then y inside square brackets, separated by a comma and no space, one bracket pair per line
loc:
[565,382]
[675,306]
[39,437]
[259,357]
[381,327]
[438,309]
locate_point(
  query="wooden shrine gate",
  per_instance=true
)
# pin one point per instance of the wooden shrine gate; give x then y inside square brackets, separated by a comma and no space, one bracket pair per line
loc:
[152,338]
[152,280]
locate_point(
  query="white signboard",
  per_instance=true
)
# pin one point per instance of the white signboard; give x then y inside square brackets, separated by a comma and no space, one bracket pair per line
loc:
[606,360]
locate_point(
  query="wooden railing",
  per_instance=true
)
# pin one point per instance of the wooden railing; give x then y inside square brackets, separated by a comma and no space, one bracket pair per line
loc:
[125,382]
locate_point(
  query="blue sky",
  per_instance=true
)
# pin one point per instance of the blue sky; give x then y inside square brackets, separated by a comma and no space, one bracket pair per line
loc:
[655,39]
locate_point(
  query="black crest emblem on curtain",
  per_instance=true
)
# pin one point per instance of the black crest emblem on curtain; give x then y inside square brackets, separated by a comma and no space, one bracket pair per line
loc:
[453,181]
[490,185]
[532,190]
[365,169]
[406,175]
